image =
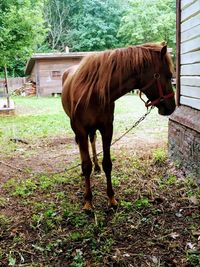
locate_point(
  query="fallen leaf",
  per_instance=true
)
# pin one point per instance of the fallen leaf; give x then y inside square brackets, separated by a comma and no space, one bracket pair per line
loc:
[174,235]
[194,200]
[196,232]
[190,245]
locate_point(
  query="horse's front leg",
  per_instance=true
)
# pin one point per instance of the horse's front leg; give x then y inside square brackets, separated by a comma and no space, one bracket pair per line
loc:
[107,163]
[86,165]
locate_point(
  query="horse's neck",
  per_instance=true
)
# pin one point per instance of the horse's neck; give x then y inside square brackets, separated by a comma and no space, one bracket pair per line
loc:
[128,84]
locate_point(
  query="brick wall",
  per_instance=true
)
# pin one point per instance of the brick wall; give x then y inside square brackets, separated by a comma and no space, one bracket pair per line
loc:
[184,139]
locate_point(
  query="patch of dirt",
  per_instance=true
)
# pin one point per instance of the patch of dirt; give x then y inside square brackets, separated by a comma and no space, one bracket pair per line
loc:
[54,155]
[48,155]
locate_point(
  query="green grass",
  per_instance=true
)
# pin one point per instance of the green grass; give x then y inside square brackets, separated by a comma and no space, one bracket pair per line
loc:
[35,118]
[44,117]
[41,117]
[159,155]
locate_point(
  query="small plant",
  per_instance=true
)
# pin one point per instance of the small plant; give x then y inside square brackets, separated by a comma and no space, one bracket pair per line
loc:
[25,188]
[115,180]
[74,218]
[126,204]
[36,219]
[159,156]
[2,202]
[4,220]
[171,180]
[11,260]
[78,260]
[193,257]
[75,236]
[142,203]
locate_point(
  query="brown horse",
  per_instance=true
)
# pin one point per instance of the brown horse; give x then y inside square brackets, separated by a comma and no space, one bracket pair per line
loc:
[91,88]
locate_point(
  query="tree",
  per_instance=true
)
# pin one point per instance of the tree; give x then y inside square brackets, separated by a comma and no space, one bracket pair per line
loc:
[60,17]
[21,30]
[83,25]
[96,25]
[149,21]
[55,13]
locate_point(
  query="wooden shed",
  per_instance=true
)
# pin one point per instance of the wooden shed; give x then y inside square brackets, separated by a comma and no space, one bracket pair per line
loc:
[184,124]
[46,70]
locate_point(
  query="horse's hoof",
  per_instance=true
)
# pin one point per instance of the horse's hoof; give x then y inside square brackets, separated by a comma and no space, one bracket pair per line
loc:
[88,207]
[112,203]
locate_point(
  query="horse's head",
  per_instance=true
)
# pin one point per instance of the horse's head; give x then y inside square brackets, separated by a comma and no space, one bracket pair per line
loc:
[156,81]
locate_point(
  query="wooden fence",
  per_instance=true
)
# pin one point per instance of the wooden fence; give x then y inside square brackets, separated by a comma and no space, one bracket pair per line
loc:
[13,83]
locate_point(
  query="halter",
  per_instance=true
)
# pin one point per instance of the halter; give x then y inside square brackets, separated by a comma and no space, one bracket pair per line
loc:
[161,97]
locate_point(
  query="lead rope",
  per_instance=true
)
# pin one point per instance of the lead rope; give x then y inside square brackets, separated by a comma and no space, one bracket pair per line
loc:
[79,164]
[133,126]
[117,139]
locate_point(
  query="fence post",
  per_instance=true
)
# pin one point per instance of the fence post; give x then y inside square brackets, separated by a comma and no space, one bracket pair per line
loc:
[6,86]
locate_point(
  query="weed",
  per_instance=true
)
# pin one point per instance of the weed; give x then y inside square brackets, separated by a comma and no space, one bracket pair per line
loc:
[54,244]
[142,203]
[60,195]
[25,188]
[126,204]
[2,202]
[159,156]
[167,181]
[75,236]
[75,218]
[119,217]
[129,191]
[46,182]
[171,180]
[136,164]
[11,260]
[104,248]
[39,205]
[115,180]
[4,220]
[10,183]
[194,227]
[36,219]
[78,260]
[193,257]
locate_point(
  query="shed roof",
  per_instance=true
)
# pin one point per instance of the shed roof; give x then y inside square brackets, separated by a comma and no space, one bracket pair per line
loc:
[31,62]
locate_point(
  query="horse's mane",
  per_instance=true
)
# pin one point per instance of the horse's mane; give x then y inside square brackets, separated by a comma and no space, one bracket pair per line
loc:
[95,71]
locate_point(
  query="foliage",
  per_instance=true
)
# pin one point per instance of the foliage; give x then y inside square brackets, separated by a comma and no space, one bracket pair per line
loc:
[96,26]
[83,25]
[149,21]
[21,30]
[56,13]
[28,26]
[159,155]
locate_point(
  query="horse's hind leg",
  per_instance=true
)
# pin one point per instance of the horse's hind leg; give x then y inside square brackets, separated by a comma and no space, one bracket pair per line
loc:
[107,163]
[93,138]
[86,165]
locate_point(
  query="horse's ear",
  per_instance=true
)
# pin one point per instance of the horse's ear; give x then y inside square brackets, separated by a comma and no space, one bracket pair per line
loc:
[163,51]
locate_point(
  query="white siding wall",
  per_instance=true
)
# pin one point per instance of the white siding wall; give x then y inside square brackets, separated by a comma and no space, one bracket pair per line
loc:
[190,53]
